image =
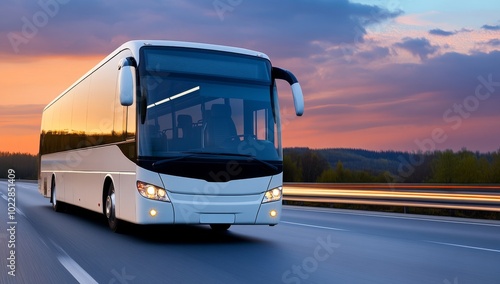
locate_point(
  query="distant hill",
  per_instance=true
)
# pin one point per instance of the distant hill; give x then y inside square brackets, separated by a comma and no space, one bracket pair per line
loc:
[446,166]
[357,159]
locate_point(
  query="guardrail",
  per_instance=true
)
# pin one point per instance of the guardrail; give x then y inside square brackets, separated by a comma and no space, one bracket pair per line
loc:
[470,197]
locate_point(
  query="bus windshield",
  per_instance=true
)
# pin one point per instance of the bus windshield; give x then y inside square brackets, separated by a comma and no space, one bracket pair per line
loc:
[208,103]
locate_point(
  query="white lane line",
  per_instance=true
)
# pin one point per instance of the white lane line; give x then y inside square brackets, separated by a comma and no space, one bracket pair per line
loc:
[396,217]
[464,246]
[313,226]
[21,213]
[76,270]
[73,267]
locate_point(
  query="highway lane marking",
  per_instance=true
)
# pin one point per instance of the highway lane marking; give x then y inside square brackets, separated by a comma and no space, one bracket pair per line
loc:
[397,217]
[75,270]
[73,267]
[18,211]
[464,246]
[313,226]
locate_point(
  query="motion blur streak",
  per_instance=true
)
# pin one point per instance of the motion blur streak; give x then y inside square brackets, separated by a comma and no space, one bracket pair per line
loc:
[474,197]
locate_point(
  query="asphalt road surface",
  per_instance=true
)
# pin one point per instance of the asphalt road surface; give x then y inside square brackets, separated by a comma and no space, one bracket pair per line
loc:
[309,246]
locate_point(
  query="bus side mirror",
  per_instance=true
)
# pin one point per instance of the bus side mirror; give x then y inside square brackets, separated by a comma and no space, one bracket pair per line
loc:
[126,81]
[298,97]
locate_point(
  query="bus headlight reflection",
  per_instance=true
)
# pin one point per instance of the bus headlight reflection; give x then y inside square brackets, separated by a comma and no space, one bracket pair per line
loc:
[151,191]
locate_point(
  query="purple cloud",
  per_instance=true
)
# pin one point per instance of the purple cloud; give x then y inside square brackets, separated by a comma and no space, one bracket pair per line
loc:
[491,28]
[494,42]
[375,53]
[420,47]
[90,27]
[441,32]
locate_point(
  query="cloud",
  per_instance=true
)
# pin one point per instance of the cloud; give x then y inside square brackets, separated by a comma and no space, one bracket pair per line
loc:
[21,110]
[491,28]
[441,32]
[407,101]
[90,27]
[20,118]
[494,42]
[375,53]
[420,47]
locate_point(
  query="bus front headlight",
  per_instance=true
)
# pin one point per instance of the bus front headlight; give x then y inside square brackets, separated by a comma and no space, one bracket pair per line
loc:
[152,192]
[273,194]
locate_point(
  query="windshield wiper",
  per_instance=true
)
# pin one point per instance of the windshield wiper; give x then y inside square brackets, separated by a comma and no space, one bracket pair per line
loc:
[168,160]
[269,165]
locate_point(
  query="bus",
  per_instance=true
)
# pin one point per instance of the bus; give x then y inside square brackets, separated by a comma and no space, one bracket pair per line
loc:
[168,132]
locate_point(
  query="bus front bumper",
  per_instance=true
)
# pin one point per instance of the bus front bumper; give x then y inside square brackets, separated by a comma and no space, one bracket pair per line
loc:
[209,209]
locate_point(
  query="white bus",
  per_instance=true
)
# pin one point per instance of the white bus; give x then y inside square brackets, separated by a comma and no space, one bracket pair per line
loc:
[165,132]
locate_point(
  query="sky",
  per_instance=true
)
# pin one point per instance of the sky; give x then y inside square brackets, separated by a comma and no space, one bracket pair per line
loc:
[378,75]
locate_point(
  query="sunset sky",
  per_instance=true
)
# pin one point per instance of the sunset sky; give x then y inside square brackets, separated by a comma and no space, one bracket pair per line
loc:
[379,75]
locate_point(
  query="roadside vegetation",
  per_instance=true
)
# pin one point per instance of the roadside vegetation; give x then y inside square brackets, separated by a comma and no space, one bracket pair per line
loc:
[362,166]
[348,166]
[25,165]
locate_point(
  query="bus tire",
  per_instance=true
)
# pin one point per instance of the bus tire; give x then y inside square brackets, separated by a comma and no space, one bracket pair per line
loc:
[110,210]
[57,206]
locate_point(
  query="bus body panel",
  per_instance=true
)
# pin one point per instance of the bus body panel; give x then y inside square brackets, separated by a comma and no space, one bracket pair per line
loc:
[80,174]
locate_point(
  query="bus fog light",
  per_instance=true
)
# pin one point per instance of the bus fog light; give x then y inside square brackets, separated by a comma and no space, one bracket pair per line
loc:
[273,213]
[273,194]
[153,212]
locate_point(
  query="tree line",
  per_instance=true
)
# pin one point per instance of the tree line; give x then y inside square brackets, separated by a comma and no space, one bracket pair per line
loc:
[347,166]
[24,165]
[329,165]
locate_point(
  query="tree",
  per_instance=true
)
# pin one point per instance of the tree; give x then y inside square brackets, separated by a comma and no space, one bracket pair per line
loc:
[443,167]
[328,176]
[466,170]
[312,165]
[495,168]
[291,172]
[24,165]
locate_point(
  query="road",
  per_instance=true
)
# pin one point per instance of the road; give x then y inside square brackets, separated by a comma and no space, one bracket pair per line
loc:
[309,246]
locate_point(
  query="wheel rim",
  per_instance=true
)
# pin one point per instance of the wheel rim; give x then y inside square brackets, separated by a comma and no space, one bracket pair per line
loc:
[110,205]
[54,199]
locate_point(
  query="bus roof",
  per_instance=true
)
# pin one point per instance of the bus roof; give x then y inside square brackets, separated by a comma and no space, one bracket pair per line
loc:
[135,45]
